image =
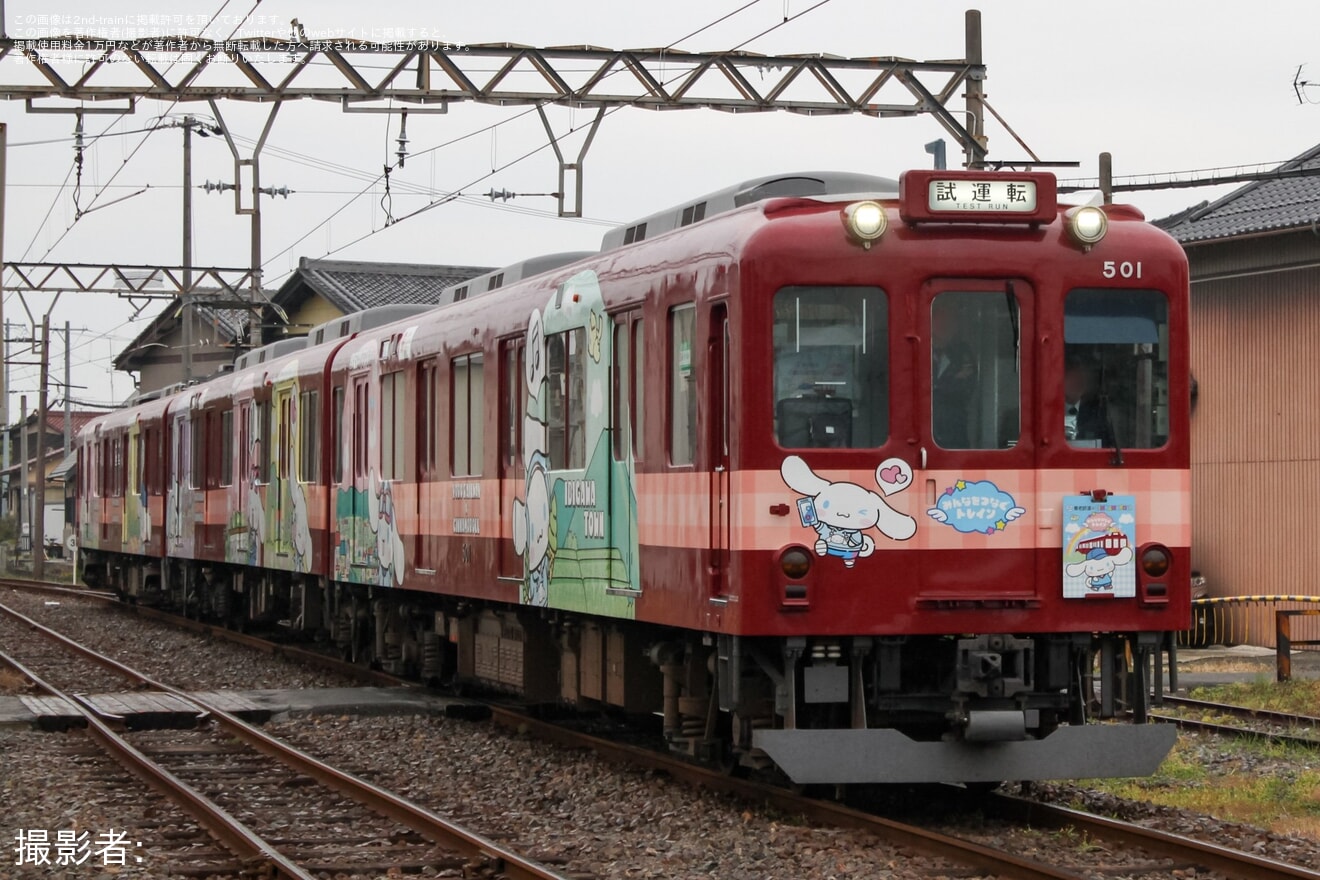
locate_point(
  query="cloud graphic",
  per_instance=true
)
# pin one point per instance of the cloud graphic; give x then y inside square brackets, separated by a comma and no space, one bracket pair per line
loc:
[1126,519]
[975,507]
[1071,529]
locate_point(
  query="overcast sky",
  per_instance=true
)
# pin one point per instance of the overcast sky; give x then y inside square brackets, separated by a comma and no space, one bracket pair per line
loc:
[1165,87]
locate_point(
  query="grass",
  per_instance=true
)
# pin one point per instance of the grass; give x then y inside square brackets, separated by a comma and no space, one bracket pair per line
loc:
[1251,781]
[1299,697]
[11,682]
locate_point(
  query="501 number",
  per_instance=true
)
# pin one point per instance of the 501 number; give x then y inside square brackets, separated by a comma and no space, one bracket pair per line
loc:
[1124,269]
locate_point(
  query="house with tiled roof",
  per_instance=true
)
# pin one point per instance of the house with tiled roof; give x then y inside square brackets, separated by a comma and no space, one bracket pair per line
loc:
[318,291]
[156,354]
[1255,321]
[322,290]
[25,438]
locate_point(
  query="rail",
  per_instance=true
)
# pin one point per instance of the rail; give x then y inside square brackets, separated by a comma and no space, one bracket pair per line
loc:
[1229,862]
[498,860]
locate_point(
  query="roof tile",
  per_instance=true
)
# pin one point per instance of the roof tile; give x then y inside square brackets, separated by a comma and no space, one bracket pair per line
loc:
[1260,206]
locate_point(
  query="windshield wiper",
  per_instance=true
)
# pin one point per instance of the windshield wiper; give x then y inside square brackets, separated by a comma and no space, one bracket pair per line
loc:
[1016,322]
[1111,435]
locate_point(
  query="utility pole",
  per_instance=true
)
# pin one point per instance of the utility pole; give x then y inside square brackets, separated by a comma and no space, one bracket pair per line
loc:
[4,361]
[975,92]
[68,392]
[38,530]
[254,164]
[186,299]
[23,476]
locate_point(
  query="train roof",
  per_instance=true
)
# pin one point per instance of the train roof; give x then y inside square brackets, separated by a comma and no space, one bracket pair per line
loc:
[802,184]
[509,274]
[369,319]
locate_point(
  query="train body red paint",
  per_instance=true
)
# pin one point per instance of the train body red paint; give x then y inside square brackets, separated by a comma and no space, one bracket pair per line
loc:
[823,478]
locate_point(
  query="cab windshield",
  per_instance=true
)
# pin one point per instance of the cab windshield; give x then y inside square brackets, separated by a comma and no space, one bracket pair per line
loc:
[1116,369]
[831,367]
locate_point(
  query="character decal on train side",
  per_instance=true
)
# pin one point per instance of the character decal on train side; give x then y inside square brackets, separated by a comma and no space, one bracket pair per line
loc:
[575,525]
[841,513]
[287,528]
[976,507]
[384,524]
[1097,553]
[254,510]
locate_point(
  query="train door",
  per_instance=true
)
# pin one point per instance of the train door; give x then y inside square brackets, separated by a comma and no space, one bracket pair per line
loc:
[717,445]
[512,473]
[284,437]
[361,544]
[429,500]
[975,412]
[180,448]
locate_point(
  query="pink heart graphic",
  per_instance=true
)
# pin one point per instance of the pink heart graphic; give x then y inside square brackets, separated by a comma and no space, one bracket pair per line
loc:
[893,475]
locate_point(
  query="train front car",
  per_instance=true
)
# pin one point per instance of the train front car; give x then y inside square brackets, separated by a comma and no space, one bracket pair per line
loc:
[959,436]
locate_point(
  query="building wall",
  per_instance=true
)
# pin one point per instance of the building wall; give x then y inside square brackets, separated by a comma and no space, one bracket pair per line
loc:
[312,312]
[161,363]
[1256,427]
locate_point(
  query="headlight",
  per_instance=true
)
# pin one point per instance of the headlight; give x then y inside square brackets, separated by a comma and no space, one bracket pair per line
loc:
[1087,225]
[795,562]
[865,221]
[1155,561]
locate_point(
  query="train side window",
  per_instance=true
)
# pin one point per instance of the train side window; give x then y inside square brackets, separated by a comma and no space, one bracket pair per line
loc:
[337,431]
[135,454]
[620,390]
[261,414]
[1115,376]
[427,423]
[975,389]
[513,402]
[227,448]
[682,385]
[565,409]
[638,374]
[309,435]
[196,450]
[831,367]
[210,444]
[392,419]
[468,422]
[360,402]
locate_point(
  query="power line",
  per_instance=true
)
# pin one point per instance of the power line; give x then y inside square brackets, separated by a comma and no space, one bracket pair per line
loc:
[82,212]
[458,193]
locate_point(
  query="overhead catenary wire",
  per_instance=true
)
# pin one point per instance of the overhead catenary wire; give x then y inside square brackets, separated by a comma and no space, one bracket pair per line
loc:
[458,193]
[436,199]
[475,133]
[124,163]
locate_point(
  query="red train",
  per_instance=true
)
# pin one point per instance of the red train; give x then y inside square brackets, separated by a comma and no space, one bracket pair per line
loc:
[813,467]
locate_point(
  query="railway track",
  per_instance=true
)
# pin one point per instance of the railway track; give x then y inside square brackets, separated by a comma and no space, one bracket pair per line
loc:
[1167,851]
[274,808]
[1270,726]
